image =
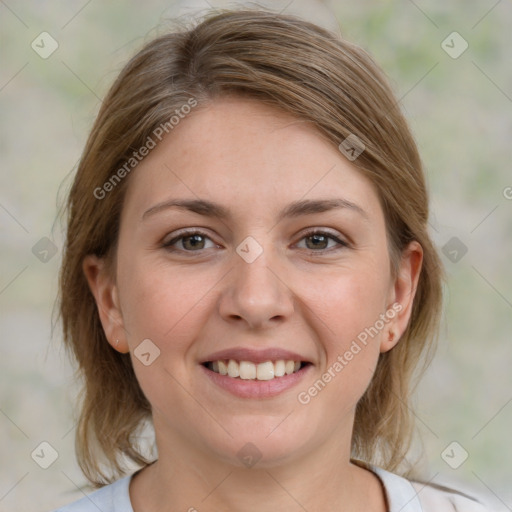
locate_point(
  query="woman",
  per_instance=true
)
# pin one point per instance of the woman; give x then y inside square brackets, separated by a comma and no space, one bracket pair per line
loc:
[248,270]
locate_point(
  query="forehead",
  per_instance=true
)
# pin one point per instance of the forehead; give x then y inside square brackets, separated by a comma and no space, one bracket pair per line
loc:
[249,156]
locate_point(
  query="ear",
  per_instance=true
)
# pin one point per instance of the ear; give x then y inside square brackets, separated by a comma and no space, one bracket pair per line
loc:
[401,295]
[105,292]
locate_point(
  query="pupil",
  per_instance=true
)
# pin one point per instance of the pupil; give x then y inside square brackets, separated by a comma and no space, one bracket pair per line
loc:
[194,240]
[317,238]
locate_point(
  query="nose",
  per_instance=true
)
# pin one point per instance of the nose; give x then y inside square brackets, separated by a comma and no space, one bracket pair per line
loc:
[256,293]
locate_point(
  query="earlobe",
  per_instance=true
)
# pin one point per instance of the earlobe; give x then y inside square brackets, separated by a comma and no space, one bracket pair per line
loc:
[402,293]
[104,290]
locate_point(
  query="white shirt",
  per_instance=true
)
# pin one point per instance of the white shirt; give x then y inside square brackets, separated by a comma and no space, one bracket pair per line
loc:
[402,496]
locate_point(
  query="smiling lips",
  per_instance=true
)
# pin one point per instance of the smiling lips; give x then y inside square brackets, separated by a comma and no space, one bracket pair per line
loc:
[248,370]
[256,373]
[255,364]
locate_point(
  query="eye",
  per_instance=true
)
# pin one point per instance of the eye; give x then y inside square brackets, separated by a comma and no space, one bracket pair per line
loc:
[318,241]
[194,241]
[190,241]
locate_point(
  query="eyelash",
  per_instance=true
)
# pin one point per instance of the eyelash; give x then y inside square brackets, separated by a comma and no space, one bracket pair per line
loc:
[186,234]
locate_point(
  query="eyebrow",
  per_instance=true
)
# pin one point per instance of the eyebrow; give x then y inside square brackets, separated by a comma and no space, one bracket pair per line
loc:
[295,209]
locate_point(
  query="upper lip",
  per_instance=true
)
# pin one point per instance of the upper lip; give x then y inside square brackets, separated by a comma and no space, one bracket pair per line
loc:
[254,355]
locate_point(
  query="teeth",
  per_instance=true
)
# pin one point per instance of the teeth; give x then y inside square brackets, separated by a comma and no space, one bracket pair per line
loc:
[233,368]
[279,368]
[247,370]
[223,368]
[265,371]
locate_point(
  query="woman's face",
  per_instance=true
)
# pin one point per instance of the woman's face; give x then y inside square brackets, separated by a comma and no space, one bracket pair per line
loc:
[280,258]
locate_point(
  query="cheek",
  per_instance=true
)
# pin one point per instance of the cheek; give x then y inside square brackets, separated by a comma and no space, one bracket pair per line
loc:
[160,302]
[353,301]
[351,311]
[164,305]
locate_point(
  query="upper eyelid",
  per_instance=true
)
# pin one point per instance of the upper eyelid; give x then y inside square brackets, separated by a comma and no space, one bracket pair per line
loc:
[185,233]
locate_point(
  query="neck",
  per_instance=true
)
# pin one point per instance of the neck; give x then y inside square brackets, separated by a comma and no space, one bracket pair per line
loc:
[185,478]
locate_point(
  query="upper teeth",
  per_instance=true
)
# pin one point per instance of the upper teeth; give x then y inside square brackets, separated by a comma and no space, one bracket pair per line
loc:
[250,371]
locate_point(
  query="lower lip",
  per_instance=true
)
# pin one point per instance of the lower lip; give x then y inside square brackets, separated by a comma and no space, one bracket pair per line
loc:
[256,388]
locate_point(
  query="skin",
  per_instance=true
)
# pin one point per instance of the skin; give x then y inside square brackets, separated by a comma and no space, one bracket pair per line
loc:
[202,298]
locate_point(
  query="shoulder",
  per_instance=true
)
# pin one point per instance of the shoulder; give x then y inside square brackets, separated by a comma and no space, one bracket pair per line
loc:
[408,496]
[439,498]
[111,498]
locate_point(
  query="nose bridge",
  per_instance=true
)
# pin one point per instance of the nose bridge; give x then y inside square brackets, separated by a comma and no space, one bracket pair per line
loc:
[256,293]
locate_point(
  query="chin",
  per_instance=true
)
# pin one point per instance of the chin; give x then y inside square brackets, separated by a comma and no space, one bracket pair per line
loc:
[262,442]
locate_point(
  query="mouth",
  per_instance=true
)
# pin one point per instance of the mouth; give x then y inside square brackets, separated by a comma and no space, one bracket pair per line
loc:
[247,372]
[256,371]
[255,379]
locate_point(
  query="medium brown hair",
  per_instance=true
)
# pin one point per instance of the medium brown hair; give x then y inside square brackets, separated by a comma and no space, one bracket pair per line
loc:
[302,69]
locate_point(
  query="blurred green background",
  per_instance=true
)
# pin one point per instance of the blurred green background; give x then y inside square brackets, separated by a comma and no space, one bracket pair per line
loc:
[460,110]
